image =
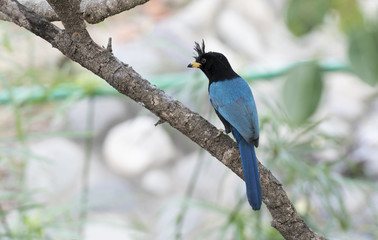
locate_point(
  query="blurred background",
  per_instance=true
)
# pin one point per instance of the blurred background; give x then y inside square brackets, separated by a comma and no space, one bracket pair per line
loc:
[80,161]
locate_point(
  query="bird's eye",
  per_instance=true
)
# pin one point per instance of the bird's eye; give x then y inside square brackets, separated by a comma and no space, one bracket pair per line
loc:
[203,60]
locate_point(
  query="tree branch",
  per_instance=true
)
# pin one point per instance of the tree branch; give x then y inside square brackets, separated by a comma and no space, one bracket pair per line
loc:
[69,13]
[96,11]
[128,82]
[93,11]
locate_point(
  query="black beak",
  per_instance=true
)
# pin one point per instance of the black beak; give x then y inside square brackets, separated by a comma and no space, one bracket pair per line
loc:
[194,64]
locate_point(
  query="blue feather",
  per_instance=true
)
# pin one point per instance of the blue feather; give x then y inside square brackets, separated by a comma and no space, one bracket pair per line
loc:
[250,170]
[233,100]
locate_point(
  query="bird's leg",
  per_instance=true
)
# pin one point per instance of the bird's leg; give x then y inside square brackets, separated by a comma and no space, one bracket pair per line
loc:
[220,132]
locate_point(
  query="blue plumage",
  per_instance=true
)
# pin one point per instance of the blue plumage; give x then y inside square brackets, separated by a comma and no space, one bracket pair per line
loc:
[250,170]
[233,102]
[233,99]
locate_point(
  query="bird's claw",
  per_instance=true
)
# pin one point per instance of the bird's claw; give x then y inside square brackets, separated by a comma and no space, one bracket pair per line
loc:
[220,132]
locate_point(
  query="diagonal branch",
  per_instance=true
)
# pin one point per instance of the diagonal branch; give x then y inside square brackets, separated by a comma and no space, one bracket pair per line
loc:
[93,11]
[128,82]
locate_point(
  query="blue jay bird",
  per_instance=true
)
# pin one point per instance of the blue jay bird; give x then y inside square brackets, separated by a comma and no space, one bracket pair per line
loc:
[233,102]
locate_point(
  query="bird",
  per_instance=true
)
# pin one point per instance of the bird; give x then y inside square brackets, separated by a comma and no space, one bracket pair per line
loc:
[233,102]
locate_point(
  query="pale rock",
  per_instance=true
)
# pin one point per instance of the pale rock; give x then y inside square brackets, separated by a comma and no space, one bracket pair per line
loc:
[108,191]
[57,173]
[354,198]
[110,226]
[132,147]
[192,222]
[214,182]
[107,111]
[157,182]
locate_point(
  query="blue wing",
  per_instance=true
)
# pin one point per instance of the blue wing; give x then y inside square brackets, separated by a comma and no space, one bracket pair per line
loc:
[233,100]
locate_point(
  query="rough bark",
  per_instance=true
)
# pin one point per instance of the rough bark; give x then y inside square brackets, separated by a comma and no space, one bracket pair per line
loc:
[93,11]
[76,44]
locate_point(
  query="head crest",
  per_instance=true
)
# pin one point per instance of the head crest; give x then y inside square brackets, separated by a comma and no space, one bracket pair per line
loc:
[199,50]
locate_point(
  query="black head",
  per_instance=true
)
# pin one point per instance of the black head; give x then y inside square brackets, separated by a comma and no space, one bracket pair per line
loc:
[215,65]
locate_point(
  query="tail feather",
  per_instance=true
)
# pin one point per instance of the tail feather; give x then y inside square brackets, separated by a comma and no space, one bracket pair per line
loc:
[250,170]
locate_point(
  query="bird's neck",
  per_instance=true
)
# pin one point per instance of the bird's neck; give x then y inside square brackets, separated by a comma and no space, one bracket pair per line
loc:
[221,75]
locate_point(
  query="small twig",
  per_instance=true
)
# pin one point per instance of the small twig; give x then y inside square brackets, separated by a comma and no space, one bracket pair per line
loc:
[161,121]
[109,47]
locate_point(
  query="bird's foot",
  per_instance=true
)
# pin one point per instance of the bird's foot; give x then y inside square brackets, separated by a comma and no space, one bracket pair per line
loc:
[220,132]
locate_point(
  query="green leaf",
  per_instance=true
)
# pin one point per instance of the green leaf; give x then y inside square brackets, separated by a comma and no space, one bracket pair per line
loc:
[302,16]
[363,54]
[350,15]
[302,91]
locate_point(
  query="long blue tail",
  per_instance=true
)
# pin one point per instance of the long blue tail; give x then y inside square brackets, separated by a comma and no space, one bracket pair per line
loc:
[250,170]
